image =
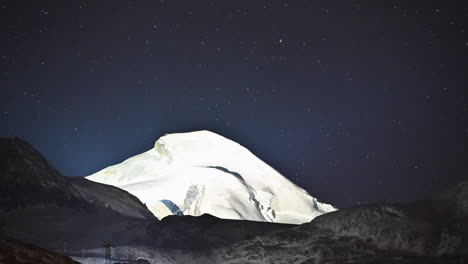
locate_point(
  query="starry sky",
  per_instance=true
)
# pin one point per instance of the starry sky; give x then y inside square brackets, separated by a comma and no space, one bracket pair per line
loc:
[355,101]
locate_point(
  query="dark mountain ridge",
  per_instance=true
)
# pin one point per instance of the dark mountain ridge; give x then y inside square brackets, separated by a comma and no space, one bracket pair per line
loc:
[28,179]
[434,230]
[39,205]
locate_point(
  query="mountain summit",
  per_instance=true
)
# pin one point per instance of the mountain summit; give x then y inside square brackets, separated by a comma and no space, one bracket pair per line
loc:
[202,172]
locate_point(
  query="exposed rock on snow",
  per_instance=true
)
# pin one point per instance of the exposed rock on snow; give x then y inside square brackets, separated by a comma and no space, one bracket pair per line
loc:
[202,172]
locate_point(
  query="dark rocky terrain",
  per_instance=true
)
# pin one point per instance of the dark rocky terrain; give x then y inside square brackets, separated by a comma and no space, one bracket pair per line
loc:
[29,180]
[38,205]
[207,232]
[428,231]
[15,252]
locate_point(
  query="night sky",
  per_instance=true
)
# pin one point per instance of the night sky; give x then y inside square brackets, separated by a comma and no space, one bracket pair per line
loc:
[355,101]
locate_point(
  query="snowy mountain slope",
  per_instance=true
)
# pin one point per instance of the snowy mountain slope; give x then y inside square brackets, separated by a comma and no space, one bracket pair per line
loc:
[202,172]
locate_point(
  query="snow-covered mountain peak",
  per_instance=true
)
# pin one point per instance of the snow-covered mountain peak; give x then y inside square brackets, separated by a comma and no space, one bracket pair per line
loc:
[202,172]
[198,148]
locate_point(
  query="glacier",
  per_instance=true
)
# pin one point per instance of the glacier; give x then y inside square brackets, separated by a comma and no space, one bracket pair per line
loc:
[201,172]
